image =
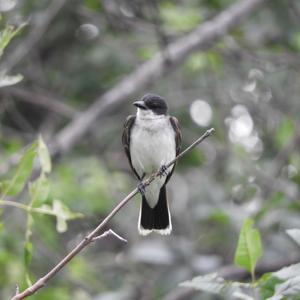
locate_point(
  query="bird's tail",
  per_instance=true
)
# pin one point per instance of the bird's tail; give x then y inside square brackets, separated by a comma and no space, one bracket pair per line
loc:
[156,219]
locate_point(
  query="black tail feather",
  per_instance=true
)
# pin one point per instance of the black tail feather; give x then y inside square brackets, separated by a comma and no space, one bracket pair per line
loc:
[161,211]
[146,217]
[157,218]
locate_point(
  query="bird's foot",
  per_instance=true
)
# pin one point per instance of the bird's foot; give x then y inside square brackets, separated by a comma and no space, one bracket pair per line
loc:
[163,171]
[142,188]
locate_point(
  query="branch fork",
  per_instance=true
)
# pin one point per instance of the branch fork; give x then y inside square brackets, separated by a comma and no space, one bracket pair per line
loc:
[107,233]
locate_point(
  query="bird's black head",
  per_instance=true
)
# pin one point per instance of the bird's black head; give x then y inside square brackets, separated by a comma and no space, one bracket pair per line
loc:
[153,102]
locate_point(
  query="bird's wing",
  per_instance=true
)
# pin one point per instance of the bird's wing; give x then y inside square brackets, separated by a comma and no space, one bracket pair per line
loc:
[178,138]
[126,140]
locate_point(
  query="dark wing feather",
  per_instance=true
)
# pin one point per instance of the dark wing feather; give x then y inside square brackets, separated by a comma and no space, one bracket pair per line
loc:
[126,140]
[178,138]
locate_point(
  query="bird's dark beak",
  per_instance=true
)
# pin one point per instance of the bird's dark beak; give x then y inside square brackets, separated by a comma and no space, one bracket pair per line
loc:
[140,104]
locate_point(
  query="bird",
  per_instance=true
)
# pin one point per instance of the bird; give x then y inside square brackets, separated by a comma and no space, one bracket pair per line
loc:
[151,139]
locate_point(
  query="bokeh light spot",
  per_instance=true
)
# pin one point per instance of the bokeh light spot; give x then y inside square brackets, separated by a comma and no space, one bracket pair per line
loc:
[201,113]
[6,5]
[87,31]
[242,124]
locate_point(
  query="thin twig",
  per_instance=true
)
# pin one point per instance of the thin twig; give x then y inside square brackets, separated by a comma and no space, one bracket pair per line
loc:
[107,233]
[95,233]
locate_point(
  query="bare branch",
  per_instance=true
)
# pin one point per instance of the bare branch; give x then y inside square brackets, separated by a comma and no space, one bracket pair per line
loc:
[149,72]
[94,234]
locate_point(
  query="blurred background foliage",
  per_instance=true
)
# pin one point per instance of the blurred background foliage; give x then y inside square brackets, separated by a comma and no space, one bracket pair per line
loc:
[246,86]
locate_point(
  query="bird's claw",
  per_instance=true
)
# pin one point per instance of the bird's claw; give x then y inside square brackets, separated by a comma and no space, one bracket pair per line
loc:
[142,188]
[163,171]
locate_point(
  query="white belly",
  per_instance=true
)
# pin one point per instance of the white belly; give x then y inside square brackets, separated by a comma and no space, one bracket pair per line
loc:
[152,144]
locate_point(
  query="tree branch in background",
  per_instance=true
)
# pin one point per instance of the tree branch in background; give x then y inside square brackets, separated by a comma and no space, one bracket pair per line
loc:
[94,235]
[149,72]
[42,100]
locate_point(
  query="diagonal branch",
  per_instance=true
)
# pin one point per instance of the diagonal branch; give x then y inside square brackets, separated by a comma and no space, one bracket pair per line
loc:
[149,72]
[94,235]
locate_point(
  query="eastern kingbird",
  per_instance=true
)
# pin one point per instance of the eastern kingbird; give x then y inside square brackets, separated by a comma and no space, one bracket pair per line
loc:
[151,139]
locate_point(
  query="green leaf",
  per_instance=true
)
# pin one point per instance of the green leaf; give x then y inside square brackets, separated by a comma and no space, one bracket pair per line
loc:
[7,34]
[16,184]
[44,156]
[249,248]
[63,213]
[267,285]
[39,190]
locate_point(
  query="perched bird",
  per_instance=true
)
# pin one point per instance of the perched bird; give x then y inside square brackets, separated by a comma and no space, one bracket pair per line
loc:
[151,139]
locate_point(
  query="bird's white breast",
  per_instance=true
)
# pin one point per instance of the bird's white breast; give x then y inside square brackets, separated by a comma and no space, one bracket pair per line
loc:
[152,144]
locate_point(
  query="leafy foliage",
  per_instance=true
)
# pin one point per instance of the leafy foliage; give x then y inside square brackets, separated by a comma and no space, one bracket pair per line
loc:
[44,156]
[249,248]
[6,35]
[71,55]
[62,213]
[38,191]
[16,184]
[271,286]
